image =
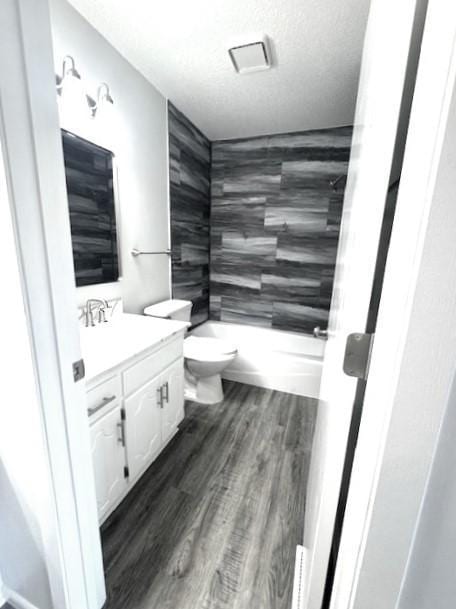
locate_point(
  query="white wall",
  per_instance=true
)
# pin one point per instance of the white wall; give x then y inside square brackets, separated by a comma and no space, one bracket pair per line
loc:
[136,131]
[430,580]
[24,474]
[2,596]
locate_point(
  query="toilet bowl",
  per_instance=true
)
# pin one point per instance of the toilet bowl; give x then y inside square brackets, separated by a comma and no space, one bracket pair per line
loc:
[205,360]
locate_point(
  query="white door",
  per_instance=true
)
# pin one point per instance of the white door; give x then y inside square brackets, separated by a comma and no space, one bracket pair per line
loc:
[108,454]
[398,518]
[382,80]
[173,398]
[143,427]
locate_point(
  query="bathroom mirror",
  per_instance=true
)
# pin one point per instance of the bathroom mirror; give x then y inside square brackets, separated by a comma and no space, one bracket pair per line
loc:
[90,186]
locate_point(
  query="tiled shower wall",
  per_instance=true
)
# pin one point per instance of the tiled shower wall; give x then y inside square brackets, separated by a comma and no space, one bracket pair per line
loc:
[275,221]
[189,174]
[272,216]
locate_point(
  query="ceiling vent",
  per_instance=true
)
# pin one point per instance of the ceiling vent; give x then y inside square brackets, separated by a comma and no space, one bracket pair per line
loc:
[251,57]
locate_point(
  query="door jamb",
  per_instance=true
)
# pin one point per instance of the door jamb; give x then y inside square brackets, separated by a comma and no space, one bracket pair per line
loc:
[34,166]
[428,125]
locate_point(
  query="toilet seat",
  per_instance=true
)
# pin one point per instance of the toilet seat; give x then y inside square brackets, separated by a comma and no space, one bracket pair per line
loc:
[207,349]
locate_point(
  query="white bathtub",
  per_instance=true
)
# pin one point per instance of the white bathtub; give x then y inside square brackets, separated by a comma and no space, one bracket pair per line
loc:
[274,359]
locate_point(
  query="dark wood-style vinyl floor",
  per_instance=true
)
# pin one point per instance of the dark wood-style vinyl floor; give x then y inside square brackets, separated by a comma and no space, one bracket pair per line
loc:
[214,522]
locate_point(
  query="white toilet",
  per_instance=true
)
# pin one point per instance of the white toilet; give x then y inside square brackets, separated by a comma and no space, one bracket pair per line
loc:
[205,358]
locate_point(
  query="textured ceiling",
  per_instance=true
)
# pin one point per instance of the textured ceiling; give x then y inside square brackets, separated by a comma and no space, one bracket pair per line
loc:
[181,47]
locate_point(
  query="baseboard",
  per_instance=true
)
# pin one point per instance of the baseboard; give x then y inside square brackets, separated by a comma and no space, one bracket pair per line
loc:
[16,600]
[299,582]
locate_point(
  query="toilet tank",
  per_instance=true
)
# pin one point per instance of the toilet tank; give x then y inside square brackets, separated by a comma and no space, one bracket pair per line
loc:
[170,309]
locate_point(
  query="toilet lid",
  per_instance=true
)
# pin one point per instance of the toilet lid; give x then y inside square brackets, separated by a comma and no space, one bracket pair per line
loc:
[197,347]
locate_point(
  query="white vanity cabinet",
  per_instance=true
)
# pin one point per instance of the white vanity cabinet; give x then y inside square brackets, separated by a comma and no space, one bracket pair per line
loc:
[173,399]
[143,421]
[133,413]
[152,415]
[108,455]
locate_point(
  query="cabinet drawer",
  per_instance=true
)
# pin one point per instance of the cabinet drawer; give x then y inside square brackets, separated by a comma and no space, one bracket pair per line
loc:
[145,370]
[104,394]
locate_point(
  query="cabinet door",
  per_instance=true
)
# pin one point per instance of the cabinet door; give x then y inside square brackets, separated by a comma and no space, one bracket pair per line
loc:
[108,455]
[143,427]
[173,398]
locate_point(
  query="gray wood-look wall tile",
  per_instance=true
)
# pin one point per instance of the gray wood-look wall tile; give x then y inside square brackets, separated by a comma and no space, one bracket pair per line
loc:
[275,222]
[190,182]
[255,224]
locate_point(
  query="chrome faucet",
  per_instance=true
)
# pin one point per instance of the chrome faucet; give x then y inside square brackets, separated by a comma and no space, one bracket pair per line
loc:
[102,306]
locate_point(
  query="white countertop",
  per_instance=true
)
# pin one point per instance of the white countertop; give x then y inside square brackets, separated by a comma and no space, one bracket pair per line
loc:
[107,345]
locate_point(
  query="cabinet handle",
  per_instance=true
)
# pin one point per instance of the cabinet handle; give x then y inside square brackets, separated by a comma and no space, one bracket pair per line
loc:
[121,429]
[166,386]
[104,402]
[160,397]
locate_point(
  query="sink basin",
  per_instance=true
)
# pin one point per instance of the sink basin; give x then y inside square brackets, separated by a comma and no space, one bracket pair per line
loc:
[106,345]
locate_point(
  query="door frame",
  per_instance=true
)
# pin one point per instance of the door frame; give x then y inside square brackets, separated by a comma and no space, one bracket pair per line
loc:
[33,160]
[381,117]
[412,363]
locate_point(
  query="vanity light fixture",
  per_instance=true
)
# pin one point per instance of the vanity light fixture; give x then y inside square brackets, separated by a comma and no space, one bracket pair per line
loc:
[73,100]
[103,99]
[69,86]
[70,76]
